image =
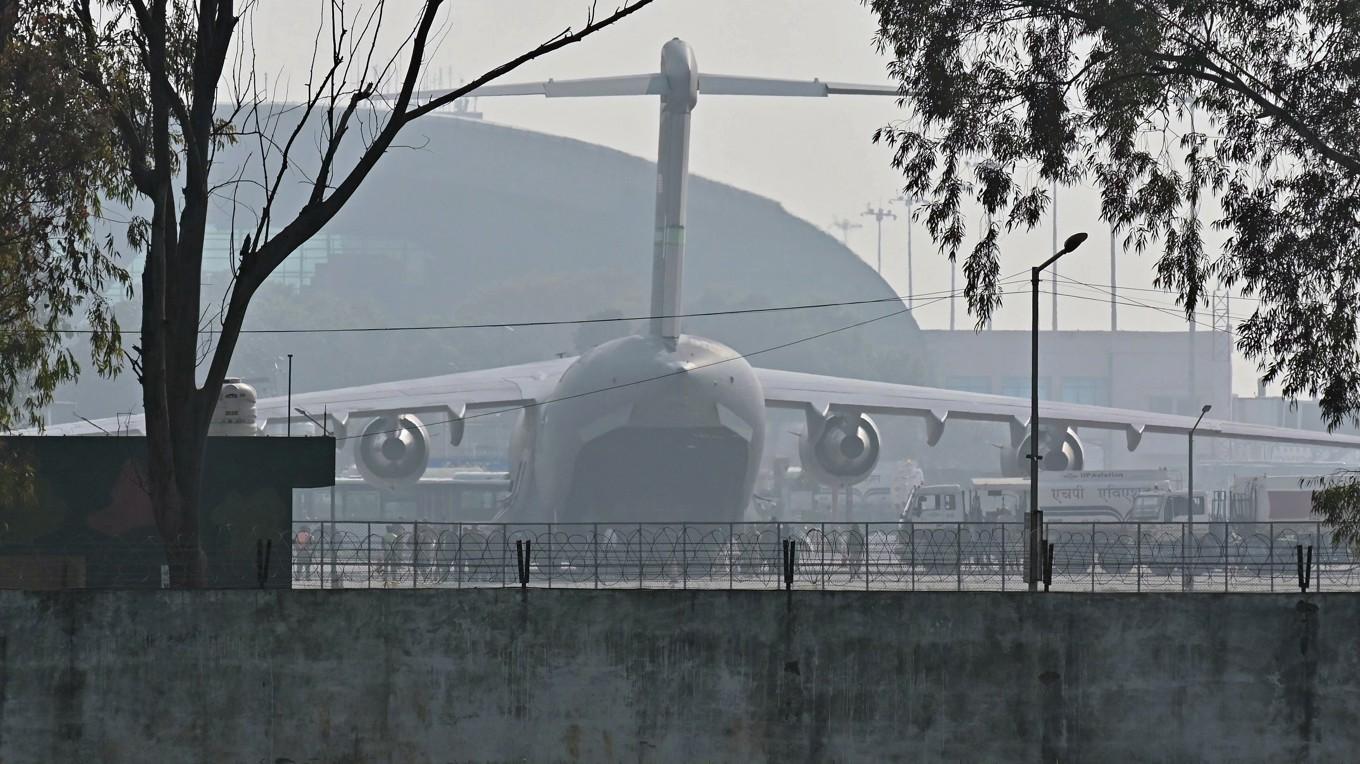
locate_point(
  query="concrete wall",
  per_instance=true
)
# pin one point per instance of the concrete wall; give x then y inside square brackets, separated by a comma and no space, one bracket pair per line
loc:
[676,676]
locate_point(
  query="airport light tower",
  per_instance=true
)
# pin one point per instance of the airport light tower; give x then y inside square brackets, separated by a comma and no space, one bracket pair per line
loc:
[879,215]
[908,201]
[845,227]
[1032,567]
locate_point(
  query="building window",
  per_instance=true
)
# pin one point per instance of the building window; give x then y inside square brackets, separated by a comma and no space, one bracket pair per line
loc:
[969,384]
[1090,390]
[1018,387]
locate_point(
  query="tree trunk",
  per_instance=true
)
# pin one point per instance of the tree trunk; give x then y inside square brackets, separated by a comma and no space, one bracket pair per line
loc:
[175,445]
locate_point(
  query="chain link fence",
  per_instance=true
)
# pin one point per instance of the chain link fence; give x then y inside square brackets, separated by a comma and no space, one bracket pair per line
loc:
[1111,557]
[1108,557]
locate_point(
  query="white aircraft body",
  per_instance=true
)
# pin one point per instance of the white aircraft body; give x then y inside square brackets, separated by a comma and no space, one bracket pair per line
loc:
[670,426]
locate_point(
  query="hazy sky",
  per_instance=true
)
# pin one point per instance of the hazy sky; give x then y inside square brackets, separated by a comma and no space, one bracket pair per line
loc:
[814,156]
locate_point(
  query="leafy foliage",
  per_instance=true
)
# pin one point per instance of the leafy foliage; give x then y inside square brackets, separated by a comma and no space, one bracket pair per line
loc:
[1007,97]
[60,164]
[147,75]
[1336,499]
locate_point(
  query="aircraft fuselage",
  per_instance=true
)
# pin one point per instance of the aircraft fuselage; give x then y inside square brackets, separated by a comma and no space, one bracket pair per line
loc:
[643,428]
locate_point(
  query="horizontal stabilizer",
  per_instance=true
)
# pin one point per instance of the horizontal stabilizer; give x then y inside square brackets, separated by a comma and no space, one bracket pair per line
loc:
[722,84]
[655,84]
[634,84]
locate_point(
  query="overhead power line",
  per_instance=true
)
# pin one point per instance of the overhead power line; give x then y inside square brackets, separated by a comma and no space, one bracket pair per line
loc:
[1007,280]
[565,322]
[668,375]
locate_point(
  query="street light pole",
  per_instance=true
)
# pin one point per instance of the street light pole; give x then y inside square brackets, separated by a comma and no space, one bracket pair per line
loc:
[289,420]
[1190,496]
[878,215]
[1035,516]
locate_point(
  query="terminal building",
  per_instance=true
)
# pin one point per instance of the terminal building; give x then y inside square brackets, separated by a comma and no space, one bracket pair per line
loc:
[1165,372]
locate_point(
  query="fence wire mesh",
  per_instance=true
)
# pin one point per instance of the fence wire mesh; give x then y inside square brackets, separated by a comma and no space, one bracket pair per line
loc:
[1112,557]
[1108,557]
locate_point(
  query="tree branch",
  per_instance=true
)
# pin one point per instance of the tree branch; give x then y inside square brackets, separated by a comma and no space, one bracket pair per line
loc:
[561,41]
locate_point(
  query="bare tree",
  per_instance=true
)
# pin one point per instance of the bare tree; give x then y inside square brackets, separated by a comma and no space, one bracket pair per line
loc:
[171,122]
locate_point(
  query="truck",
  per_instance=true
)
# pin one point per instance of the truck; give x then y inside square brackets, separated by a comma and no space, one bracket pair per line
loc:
[1086,496]
[1273,498]
[1267,516]
[1080,513]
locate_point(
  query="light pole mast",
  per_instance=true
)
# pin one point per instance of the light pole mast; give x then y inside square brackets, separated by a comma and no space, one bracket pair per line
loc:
[953,291]
[845,227]
[1033,554]
[1114,283]
[1055,246]
[908,201]
[1190,497]
[878,215]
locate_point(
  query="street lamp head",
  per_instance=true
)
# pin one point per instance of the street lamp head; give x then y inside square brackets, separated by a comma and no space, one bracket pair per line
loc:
[1073,242]
[1206,408]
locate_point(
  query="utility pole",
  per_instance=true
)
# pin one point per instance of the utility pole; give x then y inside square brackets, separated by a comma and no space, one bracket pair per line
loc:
[953,291]
[845,227]
[1114,283]
[878,215]
[1193,383]
[908,201]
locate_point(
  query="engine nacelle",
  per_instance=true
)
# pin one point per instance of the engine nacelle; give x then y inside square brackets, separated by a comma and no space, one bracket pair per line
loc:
[1060,447]
[393,451]
[840,450]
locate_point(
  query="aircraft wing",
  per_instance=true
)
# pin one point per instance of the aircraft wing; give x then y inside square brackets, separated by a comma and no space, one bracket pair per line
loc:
[812,392]
[449,397]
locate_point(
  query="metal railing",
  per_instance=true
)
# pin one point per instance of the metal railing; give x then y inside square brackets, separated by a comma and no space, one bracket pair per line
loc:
[1124,557]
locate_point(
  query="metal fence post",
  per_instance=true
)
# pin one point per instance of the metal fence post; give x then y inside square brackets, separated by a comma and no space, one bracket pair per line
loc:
[505,550]
[1317,541]
[731,553]
[549,557]
[1187,582]
[1093,556]
[911,536]
[1138,554]
[642,566]
[335,551]
[822,565]
[595,551]
[1003,556]
[415,554]
[958,556]
[370,555]
[779,542]
[458,556]
[684,555]
[1226,536]
[866,557]
[1270,559]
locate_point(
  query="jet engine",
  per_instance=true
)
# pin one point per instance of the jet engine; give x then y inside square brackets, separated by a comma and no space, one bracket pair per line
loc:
[393,451]
[841,449]
[1060,447]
